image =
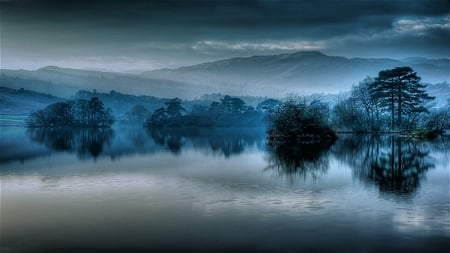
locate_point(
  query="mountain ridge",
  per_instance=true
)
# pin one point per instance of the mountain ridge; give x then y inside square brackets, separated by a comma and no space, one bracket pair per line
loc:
[303,72]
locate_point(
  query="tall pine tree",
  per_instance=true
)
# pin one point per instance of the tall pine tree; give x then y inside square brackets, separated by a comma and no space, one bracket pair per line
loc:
[400,92]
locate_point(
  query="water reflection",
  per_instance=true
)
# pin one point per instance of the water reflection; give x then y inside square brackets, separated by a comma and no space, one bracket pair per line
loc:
[304,161]
[394,164]
[224,141]
[145,203]
[126,141]
[83,141]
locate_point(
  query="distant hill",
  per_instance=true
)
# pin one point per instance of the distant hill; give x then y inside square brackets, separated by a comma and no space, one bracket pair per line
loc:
[23,101]
[66,82]
[120,103]
[303,73]
[441,92]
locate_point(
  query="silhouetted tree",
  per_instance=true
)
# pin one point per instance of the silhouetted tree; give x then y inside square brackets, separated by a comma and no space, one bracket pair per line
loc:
[230,111]
[174,108]
[362,98]
[158,117]
[57,114]
[216,108]
[80,113]
[233,105]
[269,105]
[438,120]
[348,115]
[296,123]
[400,92]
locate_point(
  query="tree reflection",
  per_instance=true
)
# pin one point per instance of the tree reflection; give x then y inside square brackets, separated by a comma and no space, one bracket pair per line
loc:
[224,141]
[170,140]
[394,164]
[303,160]
[83,141]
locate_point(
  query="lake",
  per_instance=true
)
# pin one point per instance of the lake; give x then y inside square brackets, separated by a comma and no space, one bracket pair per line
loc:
[130,189]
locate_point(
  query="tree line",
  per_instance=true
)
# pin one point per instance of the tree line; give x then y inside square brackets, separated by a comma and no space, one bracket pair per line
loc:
[230,111]
[82,112]
[395,100]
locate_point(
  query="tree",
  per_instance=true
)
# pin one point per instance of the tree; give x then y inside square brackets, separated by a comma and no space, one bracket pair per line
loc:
[80,113]
[294,123]
[95,111]
[215,108]
[269,105]
[362,98]
[348,115]
[57,114]
[37,119]
[233,105]
[400,92]
[174,108]
[158,117]
[439,120]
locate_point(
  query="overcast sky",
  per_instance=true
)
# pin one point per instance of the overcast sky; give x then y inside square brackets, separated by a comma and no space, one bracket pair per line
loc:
[144,35]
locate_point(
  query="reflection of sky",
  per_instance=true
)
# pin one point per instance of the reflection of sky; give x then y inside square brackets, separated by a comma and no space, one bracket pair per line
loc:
[195,199]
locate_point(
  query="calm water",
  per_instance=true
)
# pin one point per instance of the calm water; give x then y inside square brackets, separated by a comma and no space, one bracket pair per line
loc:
[129,189]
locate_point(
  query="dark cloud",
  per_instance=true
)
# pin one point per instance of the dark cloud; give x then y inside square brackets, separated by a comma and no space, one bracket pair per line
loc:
[181,32]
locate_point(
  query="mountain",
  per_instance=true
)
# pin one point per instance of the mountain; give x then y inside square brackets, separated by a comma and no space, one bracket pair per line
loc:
[23,101]
[303,73]
[65,82]
[441,92]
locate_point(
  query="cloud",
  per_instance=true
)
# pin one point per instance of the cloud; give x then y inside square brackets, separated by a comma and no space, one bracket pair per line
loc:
[258,46]
[406,37]
[183,32]
[421,26]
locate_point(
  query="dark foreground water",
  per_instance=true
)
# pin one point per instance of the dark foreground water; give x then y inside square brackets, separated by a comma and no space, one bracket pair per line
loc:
[129,189]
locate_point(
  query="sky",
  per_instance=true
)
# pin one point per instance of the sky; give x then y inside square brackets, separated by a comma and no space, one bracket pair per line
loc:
[133,36]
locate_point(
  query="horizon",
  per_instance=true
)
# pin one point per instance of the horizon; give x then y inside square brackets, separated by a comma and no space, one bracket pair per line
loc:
[87,68]
[149,35]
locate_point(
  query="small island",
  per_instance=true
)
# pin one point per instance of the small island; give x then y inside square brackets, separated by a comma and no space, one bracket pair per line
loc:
[79,113]
[300,124]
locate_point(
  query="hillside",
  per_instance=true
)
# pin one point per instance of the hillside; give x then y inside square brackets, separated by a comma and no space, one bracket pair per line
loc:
[66,82]
[302,73]
[23,101]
